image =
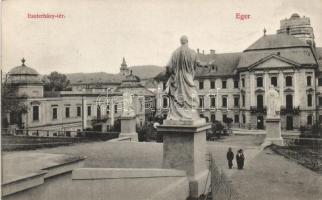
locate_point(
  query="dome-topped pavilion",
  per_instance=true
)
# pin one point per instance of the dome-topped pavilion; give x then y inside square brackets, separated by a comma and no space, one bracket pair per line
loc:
[24,81]
[23,75]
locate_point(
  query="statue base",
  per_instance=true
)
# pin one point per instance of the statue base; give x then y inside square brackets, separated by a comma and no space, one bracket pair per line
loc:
[273,132]
[184,122]
[184,148]
[128,127]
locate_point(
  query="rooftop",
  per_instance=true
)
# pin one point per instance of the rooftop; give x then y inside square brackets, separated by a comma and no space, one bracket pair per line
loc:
[211,65]
[295,16]
[217,64]
[131,78]
[23,69]
[23,75]
[302,56]
[283,45]
[276,41]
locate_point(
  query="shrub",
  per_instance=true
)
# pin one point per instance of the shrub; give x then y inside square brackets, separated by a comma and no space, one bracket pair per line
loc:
[316,130]
[142,133]
[117,126]
[159,137]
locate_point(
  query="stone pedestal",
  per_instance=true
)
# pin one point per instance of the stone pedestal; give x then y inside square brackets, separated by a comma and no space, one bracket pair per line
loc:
[128,127]
[273,132]
[184,148]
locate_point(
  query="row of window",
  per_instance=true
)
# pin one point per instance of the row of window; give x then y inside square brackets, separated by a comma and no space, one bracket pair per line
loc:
[288,81]
[259,82]
[236,118]
[289,101]
[67,112]
[98,110]
[35,112]
[212,101]
[224,101]
[213,85]
[260,101]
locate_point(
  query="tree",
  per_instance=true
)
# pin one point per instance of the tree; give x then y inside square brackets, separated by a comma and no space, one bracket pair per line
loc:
[11,105]
[56,82]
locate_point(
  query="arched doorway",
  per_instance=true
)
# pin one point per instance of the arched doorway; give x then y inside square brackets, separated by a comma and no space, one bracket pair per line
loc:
[260,102]
[289,101]
[260,122]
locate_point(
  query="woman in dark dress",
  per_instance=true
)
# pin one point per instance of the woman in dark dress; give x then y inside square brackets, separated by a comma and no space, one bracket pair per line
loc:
[230,158]
[240,159]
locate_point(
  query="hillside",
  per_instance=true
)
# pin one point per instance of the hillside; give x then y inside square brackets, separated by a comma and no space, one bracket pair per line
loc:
[144,72]
[93,77]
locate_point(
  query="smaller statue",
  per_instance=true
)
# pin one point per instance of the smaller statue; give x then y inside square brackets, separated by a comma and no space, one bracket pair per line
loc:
[128,107]
[273,103]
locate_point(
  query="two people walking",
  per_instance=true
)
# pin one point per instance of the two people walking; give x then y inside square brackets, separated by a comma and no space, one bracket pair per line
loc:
[240,158]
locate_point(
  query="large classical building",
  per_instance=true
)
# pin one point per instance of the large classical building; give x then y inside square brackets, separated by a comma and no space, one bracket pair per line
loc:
[235,85]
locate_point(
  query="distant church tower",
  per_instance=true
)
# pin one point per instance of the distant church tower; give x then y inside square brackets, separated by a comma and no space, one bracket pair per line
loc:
[124,70]
[298,26]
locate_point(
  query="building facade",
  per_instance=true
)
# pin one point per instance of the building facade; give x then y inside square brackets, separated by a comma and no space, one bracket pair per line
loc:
[68,112]
[235,85]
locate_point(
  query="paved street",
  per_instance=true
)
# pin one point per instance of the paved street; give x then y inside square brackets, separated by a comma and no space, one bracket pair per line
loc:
[265,175]
[269,176]
[249,143]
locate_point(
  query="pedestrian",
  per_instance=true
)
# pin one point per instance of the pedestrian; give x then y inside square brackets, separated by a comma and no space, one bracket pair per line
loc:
[230,158]
[240,159]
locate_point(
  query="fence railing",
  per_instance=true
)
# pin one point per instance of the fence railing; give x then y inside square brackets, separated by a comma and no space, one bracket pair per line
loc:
[21,139]
[301,141]
[258,109]
[52,133]
[290,110]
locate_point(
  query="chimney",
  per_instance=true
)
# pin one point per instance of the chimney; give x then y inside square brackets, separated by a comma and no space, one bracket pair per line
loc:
[212,51]
[203,52]
[198,50]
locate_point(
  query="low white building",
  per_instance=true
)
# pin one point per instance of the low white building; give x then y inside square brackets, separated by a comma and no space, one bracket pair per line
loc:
[66,112]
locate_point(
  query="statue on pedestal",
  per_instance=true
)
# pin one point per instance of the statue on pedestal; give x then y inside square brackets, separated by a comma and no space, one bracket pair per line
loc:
[184,132]
[273,120]
[273,103]
[180,86]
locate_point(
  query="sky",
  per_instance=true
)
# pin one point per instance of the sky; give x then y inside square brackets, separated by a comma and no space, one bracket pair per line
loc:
[95,35]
